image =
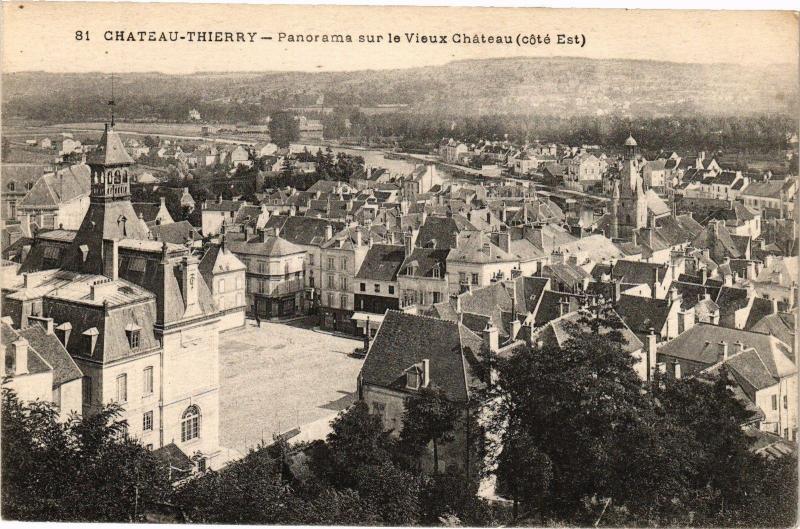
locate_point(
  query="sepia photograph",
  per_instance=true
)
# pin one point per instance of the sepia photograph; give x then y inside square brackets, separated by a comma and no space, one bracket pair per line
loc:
[398,265]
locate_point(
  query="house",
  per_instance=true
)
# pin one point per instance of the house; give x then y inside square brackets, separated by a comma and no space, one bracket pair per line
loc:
[240,157]
[768,379]
[412,352]
[774,198]
[274,286]
[524,164]
[423,277]
[225,276]
[134,314]
[194,115]
[778,280]
[59,199]
[340,259]
[217,213]
[475,262]
[186,200]
[452,150]
[37,367]
[655,175]
[18,179]
[582,171]
[310,129]
[376,287]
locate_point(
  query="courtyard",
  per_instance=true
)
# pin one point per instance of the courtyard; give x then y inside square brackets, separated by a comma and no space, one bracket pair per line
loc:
[280,377]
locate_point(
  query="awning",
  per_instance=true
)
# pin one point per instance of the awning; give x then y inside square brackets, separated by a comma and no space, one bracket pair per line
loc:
[363,316]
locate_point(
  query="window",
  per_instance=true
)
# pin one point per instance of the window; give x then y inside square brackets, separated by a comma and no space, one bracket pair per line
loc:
[343,301]
[221,286]
[147,422]
[201,464]
[378,408]
[311,259]
[330,299]
[133,339]
[474,279]
[260,286]
[190,424]
[362,287]
[148,381]
[436,272]
[377,288]
[330,281]
[87,390]
[437,297]
[149,446]
[122,388]
[786,433]
[785,404]
[774,402]
[137,264]
[11,186]
[391,289]
[344,284]
[261,267]
[462,277]
[330,264]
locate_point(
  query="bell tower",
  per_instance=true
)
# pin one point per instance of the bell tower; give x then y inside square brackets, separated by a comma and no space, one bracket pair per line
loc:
[110,168]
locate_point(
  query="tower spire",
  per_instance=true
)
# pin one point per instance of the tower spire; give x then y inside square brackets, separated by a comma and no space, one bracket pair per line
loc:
[111,102]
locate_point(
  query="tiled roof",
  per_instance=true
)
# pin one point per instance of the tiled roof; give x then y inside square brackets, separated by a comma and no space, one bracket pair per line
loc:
[382,262]
[780,325]
[303,230]
[53,189]
[404,340]
[557,330]
[426,259]
[443,230]
[638,272]
[475,247]
[223,205]
[175,232]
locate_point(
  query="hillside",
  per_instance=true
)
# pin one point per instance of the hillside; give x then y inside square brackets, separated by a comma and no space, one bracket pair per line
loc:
[526,86]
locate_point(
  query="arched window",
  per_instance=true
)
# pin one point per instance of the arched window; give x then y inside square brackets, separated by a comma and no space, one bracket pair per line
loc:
[190,424]
[117,177]
[11,186]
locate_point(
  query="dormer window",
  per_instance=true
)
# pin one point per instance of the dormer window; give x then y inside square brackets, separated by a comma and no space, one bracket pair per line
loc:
[134,334]
[436,272]
[413,379]
[11,186]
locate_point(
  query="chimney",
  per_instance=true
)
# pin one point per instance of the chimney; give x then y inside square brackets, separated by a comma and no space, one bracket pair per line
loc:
[723,351]
[64,330]
[774,305]
[328,232]
[46,323]
[21,357]
[739,346]
[358,236]
[673,294]
[655,282]
[491,337]
[676,369]
[563,306]
[111,258]
[634,238]
[426,372]
[651,353]
[408,243]
[163,202]
[424,215]
[617,290]
[514,328]
[505,241]
[703,275]
[189,279]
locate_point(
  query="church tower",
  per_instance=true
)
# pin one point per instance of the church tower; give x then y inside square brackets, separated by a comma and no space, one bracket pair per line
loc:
[632,208]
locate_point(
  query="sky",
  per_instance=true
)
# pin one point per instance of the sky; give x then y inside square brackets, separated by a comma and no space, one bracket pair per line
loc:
[42,36]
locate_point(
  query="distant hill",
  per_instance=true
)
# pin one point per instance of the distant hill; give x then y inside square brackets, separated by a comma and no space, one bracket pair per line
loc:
[524,86]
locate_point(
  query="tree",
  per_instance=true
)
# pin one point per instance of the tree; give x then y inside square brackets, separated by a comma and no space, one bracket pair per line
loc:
[85,469]
[283,129]
[430,417]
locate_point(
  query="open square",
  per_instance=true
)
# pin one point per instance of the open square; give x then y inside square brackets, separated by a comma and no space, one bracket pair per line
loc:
[279,377]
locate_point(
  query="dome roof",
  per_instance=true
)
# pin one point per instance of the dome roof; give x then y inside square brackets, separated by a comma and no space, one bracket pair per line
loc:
[630,142]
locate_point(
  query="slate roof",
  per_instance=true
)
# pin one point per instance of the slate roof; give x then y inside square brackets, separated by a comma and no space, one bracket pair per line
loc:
[638,272]
[426,260]
[768,189]
[761,308]
[36,363]
[110,151]
[175,232]
[223,205]
[471,249]
[53,189]
[307,231]
[49,347]
[404,340]
[701,343]
[780,325]
[146,210]
[382,262]
[557,330]
[270,247]
[641,314]
[217,260]
[443,230]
